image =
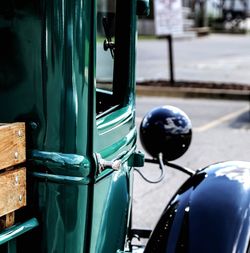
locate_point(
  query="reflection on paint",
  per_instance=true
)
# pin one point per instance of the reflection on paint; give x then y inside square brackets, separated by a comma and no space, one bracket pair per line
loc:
[239,172]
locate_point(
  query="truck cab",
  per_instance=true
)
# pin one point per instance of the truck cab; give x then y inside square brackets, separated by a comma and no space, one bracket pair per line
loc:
[67,75]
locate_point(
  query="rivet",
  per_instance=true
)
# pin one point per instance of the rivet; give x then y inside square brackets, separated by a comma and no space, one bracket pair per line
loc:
[16,179]
[16,155]
[33,125]
[19,133]
[20,197]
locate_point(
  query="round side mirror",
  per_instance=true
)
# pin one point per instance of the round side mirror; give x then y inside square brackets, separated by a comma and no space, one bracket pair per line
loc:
[166,130]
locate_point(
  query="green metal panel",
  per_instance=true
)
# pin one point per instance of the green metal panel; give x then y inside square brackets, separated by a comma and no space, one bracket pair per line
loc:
[116,133]
[111,199]
[47,78]
[63,210]
[45,49]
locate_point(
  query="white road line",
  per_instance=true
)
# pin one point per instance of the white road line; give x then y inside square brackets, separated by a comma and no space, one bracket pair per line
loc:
[220,120]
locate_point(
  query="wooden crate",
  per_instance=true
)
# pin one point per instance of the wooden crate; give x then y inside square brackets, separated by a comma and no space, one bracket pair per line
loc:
[12,144]
[12,190]
[12,174]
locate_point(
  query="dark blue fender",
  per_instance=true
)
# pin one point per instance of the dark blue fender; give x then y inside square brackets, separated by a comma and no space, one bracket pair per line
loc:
[209,214]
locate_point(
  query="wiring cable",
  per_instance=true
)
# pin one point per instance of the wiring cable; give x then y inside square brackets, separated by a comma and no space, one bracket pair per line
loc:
[159,160]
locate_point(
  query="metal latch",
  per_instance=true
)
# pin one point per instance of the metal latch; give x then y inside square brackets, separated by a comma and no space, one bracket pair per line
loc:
[104,164]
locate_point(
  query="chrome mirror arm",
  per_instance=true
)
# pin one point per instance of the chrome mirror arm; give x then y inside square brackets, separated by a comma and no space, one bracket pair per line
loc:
[161,163]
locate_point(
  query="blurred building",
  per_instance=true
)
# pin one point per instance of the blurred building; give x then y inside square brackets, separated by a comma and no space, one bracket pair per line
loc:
[218,14]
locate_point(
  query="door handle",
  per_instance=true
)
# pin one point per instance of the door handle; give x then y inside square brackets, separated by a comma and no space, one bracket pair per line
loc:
[104,164]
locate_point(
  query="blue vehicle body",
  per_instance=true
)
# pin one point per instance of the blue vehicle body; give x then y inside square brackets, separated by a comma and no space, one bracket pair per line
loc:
[209,213]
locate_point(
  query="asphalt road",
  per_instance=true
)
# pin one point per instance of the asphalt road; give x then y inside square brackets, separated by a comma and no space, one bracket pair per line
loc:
[221,131]
[214,58]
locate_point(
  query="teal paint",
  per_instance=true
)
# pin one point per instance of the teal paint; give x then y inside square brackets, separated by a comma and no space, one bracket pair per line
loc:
[47,79]
[13,232]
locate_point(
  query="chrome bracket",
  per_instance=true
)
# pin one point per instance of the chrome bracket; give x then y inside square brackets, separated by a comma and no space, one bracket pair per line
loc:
[104,164]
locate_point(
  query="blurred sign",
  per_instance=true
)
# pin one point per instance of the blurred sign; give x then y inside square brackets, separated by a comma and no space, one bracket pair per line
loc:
[168,17]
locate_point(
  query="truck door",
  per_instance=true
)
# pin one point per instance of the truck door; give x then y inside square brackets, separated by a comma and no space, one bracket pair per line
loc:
[115,132]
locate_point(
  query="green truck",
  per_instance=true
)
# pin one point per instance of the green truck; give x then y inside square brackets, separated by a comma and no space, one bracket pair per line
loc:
[67,74]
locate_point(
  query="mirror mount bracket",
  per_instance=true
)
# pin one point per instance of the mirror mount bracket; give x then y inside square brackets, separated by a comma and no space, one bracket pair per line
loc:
[143,8]
[172,165]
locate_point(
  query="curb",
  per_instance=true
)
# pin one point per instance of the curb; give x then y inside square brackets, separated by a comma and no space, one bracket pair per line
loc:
[142,90]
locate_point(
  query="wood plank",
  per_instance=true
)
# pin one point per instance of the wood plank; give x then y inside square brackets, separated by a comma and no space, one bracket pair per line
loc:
[12,190]
[7,220]
[12,144]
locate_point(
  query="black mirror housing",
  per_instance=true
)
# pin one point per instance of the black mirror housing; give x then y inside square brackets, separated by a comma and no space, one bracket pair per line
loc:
[166,130]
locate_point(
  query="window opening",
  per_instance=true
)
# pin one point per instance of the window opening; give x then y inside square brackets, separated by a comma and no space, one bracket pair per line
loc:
[105,54]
